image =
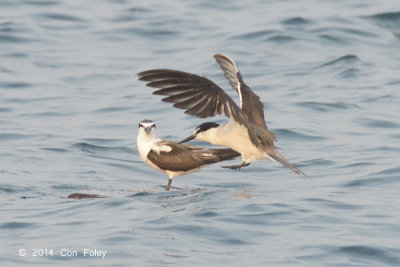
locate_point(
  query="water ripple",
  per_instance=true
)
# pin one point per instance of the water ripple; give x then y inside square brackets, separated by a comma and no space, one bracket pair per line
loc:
[257,34]
[70,103]
[295,135]
[296,21]
[17,225]
[389,20]
[368,253]
[386,176]
[377,123]
[15,85]
[342,61]
[320,106]
[60,17]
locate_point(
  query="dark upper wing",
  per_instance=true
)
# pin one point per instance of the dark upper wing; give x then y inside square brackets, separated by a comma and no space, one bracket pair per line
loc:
[250,103]
[198,95]
[184,157]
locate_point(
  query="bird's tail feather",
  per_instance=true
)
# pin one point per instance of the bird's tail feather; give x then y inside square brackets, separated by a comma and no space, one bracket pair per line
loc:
[275,155]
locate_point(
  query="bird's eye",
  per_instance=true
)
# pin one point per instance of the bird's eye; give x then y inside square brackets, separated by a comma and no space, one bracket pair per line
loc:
[140,125]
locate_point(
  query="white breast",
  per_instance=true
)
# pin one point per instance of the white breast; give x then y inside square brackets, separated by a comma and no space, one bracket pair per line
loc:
[235,136]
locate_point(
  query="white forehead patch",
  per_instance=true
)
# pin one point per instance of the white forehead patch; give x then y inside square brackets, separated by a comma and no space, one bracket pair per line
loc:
[147,124]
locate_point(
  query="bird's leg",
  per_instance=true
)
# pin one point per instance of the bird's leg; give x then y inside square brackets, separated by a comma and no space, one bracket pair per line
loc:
[169,184]
[235,167]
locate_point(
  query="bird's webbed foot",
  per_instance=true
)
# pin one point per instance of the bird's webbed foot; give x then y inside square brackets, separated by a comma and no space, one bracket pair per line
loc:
[237,167]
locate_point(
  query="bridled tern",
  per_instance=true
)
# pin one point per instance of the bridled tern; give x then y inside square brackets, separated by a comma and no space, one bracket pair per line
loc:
[246,131]
[173,158]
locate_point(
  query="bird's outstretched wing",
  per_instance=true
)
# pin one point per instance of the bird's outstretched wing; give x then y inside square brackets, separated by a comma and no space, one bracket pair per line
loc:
[197,95]
[250,104]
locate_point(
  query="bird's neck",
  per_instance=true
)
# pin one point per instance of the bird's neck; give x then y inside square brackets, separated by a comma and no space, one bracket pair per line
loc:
[144,143]
[213,136]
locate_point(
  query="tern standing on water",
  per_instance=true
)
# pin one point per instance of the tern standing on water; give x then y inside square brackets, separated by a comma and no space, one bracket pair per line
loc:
[246,131]
[175,159]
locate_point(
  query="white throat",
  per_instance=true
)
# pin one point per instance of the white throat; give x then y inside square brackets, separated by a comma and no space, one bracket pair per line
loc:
[145,142]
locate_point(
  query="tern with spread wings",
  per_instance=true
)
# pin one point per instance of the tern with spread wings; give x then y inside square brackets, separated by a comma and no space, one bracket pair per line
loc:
[246,131]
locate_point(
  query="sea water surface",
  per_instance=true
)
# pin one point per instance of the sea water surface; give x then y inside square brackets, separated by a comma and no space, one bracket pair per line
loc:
[328,73]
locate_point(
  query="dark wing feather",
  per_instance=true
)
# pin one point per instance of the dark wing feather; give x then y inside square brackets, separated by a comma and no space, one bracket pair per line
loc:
[250,105]
[188,90]
[184,157]
[197,95]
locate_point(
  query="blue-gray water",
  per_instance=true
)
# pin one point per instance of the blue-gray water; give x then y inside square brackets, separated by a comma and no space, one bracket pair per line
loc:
[328,73]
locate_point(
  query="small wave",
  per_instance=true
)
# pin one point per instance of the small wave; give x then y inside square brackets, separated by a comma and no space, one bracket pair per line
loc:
[361,33]
[350,73]
[386,149]
[357,164]
[377,98]
[55,149]
[89,147]
[333,39]
[389,21]
[15,85]
[111,109]
[149,33]
[296,21]
[347,65]
[390,17]
[369,253]
[16,225]
[386,176]
[282,39]
[344,35]
[257,34]
[206,214]
[4,110]
[344,60]
[13,136]
[8,189]
[60,17]
[140,10]
[87,144]
[140,194]
[333,204]
[374,123]
[318,162]
[131,14]
[363,182]
[320,106]
[7,38]
[16,55]
[388,171]
[298,136]
[42,3]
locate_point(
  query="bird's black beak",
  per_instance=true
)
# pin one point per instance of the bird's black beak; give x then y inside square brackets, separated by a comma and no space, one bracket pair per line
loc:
[148,130]
[187,139]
